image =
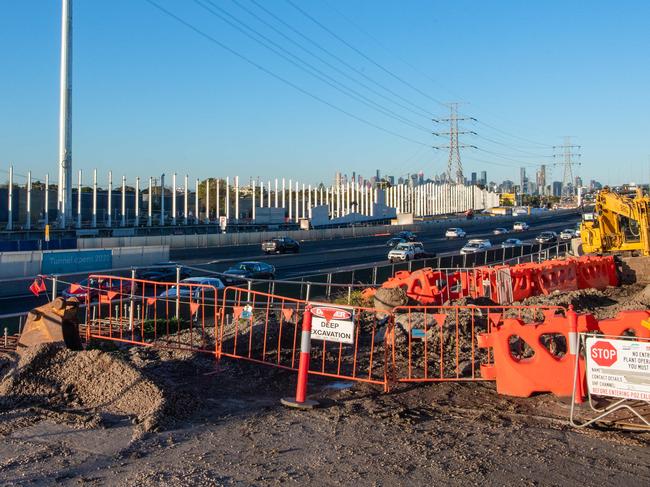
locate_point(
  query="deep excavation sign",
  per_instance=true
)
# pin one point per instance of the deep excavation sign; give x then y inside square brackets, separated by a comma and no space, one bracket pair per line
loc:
[332,323]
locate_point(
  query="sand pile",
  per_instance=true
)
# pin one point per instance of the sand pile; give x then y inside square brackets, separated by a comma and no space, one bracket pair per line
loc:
[87,383]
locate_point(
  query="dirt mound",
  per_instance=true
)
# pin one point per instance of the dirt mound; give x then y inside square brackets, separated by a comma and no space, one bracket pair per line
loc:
[89,384]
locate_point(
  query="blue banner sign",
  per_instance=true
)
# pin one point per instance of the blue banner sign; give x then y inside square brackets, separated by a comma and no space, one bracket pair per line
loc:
[76,261]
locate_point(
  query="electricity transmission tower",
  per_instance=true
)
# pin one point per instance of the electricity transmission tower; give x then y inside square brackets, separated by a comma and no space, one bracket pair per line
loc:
[454,144]
[568,153]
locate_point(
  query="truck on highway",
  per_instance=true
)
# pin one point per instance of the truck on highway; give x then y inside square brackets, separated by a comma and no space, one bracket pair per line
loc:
[406,251]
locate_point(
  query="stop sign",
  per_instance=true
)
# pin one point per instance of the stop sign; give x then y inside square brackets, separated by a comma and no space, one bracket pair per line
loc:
[603,353]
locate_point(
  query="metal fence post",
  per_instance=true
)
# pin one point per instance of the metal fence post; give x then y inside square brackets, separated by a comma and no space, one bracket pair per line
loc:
[329,285]
[54,287]
[374,275]
[308,291]
[248,295]
[178,290]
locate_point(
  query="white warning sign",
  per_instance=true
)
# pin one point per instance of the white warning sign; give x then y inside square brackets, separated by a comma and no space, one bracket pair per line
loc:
[332,323]
[618,368]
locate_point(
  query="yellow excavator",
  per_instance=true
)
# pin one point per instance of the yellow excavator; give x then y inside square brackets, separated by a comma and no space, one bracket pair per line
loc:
[620,224]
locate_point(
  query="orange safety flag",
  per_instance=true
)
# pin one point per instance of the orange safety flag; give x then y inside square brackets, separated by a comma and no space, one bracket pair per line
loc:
[74,288]
[194,307]
[440,318]
[151,300]
[287,313]
[108,297]
[236,311]
[37,286]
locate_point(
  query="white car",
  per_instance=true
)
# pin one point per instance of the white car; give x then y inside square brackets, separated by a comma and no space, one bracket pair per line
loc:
[406,251]
[455,233]
[511,242]
[500,231]
[476,245]
[520,226]
[567,234]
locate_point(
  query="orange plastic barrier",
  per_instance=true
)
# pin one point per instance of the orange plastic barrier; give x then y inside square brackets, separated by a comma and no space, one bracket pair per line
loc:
[596,272]
[432,287]
[540,368]
[428,286]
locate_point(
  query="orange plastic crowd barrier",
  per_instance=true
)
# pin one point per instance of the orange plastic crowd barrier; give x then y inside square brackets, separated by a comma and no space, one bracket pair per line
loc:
[540,357]
[435,287]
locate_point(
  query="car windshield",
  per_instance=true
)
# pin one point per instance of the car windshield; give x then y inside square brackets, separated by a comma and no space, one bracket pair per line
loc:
[452,230]
[472,246]
[402,246]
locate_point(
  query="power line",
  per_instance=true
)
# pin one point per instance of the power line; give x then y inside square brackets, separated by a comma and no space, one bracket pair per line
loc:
[418,111]
[277,76]
[340,39]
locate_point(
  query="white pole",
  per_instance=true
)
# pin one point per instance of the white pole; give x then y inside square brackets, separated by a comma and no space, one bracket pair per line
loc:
[227,202]
[304,213]
[253,190]
[268,199]
[109,206]
[123,201]
[283,196]
[137,202]
[174,199]
[196,203]
[162,199]
[79,201]
[150,203]
[185,200]
[10,206]
[207,200]
[297,202]
[94,221]
[276,192]
[65,117]
[309,203]
[47,199]
[28,221]
[218,202]
[236,198]
[261,194]
[290,201]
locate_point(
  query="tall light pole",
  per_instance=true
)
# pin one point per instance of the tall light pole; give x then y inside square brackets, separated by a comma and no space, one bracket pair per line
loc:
[65,117]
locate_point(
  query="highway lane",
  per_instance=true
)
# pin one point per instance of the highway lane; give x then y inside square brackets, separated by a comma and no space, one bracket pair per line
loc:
[325,255]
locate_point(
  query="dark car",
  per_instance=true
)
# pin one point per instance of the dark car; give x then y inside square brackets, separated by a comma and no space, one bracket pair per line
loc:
[249,270]
[546,237]
[162,272]
[280,245]
[408,236]
[394,241]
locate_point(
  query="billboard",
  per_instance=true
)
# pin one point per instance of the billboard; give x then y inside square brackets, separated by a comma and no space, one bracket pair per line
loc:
[76,261]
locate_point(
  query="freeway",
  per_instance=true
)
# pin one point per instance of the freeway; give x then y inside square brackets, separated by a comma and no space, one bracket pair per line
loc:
[326,255]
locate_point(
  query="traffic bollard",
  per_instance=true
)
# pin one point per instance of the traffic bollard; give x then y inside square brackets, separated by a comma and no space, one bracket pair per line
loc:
[301,401]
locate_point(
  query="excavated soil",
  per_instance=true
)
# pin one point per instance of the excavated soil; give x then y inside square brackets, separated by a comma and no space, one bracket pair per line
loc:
[119,415]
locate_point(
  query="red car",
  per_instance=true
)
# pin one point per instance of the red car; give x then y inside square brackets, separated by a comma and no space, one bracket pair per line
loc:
[95,287]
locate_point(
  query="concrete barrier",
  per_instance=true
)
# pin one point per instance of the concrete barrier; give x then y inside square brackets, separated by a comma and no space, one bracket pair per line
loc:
[250,238]
[19,265]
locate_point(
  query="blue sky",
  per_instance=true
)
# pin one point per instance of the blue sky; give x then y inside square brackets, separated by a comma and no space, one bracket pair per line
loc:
[151,95]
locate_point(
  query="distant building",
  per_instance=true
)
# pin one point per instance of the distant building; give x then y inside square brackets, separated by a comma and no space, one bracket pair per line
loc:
[523,181]
[557,188]
[578,181]
[483,179]
[474,179]
[391,180]
[541,180]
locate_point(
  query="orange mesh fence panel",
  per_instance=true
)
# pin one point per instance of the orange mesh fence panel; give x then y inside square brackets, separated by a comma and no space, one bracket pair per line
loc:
[152,313]
[265,328]
[441,343]
[260,327]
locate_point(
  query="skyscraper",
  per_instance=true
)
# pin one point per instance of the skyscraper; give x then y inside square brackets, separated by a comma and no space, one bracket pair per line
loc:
[474,180]
[483,179]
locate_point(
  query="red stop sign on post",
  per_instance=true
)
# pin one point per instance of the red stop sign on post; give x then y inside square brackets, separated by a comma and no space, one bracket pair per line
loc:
[603,353]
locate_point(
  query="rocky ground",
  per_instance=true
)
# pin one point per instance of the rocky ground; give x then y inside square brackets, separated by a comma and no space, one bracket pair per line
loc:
[145,416]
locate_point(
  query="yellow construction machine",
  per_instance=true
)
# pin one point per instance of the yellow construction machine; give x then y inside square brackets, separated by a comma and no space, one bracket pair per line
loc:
[620,224]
